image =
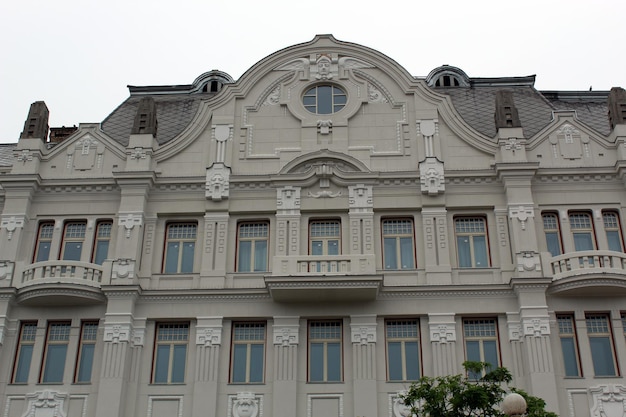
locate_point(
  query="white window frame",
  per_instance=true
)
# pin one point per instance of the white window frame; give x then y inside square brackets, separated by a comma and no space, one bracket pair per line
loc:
[398,232]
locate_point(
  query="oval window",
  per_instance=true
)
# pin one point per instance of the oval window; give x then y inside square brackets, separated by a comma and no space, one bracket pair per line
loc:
[324,99]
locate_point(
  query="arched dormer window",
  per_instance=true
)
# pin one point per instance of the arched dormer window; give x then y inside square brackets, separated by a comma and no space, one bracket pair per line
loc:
[447,76]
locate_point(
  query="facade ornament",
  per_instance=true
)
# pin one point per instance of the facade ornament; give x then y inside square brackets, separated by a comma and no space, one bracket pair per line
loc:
[245,404]
[286,335]
[432,178]
[363,333]
[24,156]
[273,98]
[512,144]
[536,326]
[324,194]
[360,196]
[442,333]
[6,270]
[209,336]
[138,335]
[521,213]
[399,408]
[324,68]
[217,182]
[324,126]
[528,261]
[374,95]
[608,401]
[11,223]
[221,134]
[515,331]
[45,403]
[116,333]
[138,153]
[123,268]
[129,221]
[428,129]
[288,199]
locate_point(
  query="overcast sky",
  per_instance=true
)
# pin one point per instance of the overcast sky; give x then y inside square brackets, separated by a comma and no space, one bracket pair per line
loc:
[79,55]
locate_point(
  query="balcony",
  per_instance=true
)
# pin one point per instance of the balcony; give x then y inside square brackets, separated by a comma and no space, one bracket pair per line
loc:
[597,272]
[323,278]
[59,282]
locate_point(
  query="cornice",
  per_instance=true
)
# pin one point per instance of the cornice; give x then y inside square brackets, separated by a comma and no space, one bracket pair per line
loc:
[446,291]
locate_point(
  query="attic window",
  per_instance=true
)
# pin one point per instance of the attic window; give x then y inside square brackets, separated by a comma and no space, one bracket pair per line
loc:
[324,99]
[447,81]
[212,86]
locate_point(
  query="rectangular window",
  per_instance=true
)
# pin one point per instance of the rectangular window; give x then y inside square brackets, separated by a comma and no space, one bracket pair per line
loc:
[601,343]
[252,247]
[481,342]
[86,348]
[101,244]
[325,351]
[398,248]
[180,246]
[582,231]
[57,339]
[325,237]
[170,352]
[24,354]
[569,345]
[613,230]
[403,362]
[624,324]
[73,238]
[552,233]
[471,242]
[248,356]
[44,241]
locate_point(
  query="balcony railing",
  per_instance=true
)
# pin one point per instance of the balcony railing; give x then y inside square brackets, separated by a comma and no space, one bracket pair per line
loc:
[73,272]
[588,262]
[324,265]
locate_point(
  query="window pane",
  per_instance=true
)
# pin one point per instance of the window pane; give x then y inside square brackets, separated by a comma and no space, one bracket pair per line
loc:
[240,353]
[171,258]
[324,99]
[72,251]
[256,362]
[317,247]
[480,251]
[602,355]
[463,247]
[187,261]
[406,252]
[394,361]
[333,247]
[245,256]
[569,356]
[491,353]
[55,363]
[473,354]
[316,365]
[85,364]
[412,361]
[334,362]
[390,253]
[23,364]
[583,241]
[178,364]
[554,246]
[615,243]
[43,252]
[161,364]
[102,250]
[260,255]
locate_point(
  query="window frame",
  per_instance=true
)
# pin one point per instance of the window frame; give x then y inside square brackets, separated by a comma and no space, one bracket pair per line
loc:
[181,268]
[249,345]
[397,239]
[472,245]
[97,239]
[325,343]
[597,355]
[576,230]
[71,237]
[325,239]
[170,372]
[568,332]
[481,339]
[610,229]
[315,102]
[403,340]
[25,339]
[41,238]
[50,360]
[86,343]
[555,231]
[254,240]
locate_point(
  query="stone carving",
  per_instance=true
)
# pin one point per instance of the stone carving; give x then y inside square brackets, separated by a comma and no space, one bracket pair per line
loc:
[360,196]
[399,408]
[528,261]
[10,223]
[374,95]
[363,333]
[428,129]
[209,336]
[137,336]
[324,194]
[273,98]
[521,213]
[513,144]
[442,333]
[45,404]
[515,331]
[286,335]
[217,182]
[288,198]
[536,326]
[608,401]
[221,134]
[123,268]
[116,333]
[245,405]
[85,152]
[24,156]
[324,69]
[129,221]
[6,270]
[432,178]
[138,153]
[324,126]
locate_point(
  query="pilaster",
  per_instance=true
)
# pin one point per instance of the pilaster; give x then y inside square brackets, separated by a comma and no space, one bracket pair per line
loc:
[364,337]
[208,345]
[361,214]
[285,338]
[215,243]
[287,221]
[442,330]
[436,247]
[18,193]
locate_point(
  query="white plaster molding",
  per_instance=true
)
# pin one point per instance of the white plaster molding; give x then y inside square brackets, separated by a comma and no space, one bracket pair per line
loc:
[324,126]
[221,134]
[312,397]
[360,196]
[209,336]
[45,403]
[374,95]
[117,332]
[286,334]
[442,332]
[129,221]
[217,182]
[155,398]
[273,97]
[288,200]
[528,261]
[363,333]
[123,268]
[536,326]
[6,270]
[608,401]
[397,408]
[138,153]
[138,336]
[11,223]
[521,212]
[245,404]
[24,156]
[512,144]
[432,178]
[324,194]
[515,331]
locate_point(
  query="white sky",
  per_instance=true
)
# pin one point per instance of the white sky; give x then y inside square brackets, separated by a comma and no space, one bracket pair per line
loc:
[79,55]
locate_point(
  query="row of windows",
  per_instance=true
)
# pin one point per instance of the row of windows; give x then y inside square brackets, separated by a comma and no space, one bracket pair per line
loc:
[73,241]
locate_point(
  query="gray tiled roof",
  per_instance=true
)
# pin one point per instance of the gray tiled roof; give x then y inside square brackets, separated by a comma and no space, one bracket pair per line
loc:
[174,113]
[6,154]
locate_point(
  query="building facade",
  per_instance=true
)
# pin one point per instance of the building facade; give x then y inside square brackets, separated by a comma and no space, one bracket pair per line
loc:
[309,239]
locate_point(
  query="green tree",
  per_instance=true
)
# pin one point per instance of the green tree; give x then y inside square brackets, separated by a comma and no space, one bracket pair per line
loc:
[460,396]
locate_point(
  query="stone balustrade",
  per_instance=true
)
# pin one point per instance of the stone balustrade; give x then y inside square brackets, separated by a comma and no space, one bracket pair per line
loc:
[587,262]
[324,265]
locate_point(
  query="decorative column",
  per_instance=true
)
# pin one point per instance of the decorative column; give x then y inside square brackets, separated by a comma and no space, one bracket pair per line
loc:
[361,202]
[287,229]
[208,344]
[285,337]
[215,240]
[517,344]
[442,329]
[363,337]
